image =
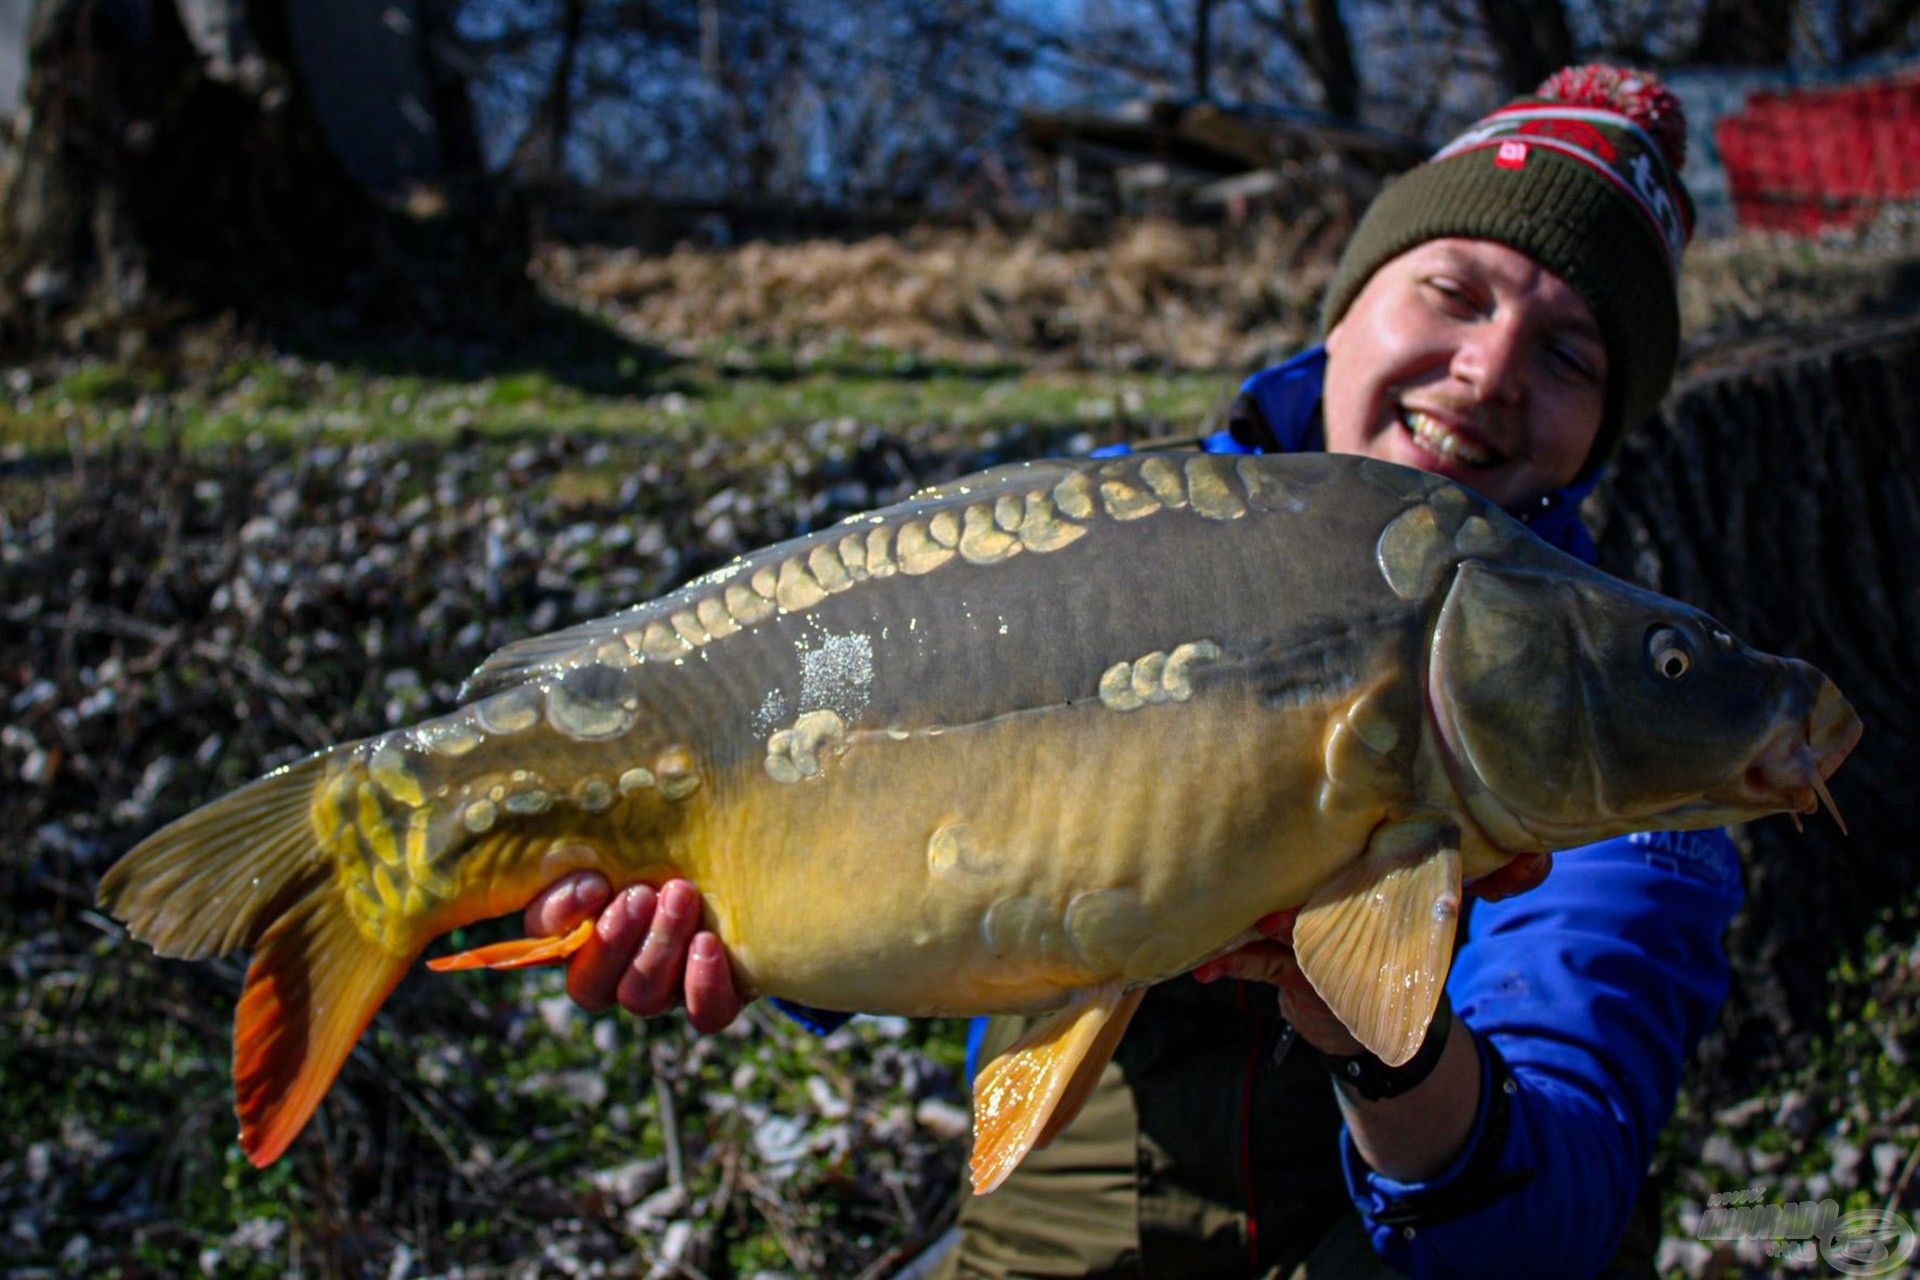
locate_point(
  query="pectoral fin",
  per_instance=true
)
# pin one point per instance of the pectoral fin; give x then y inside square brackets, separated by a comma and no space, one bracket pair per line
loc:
[1376,940]
[521,953]
[1024,1097]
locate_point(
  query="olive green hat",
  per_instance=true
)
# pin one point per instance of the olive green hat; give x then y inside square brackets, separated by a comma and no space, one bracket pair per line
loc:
[1584,178]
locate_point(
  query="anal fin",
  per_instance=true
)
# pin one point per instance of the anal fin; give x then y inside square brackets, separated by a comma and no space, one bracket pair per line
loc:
[1376,940]
[518,953]
[1087,1075]
[1023,1098]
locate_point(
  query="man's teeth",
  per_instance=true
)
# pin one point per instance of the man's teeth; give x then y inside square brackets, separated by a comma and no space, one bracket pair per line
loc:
[1444,442]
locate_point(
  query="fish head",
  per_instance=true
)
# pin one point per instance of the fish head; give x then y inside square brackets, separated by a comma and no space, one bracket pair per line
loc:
[1571,707]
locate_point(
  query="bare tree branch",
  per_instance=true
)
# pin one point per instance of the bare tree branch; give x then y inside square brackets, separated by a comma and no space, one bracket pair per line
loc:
[1531,37]
[1886,31]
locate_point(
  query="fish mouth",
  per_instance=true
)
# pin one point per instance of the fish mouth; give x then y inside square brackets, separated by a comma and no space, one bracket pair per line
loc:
[1789,771]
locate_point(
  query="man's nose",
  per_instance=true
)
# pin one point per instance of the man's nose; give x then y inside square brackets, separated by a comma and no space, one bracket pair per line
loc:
[1490,359]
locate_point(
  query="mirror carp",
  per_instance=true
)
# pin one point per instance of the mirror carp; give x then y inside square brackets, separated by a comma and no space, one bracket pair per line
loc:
[1032,740]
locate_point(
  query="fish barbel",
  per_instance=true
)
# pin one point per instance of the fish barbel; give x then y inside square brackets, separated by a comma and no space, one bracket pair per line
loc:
[1032,740]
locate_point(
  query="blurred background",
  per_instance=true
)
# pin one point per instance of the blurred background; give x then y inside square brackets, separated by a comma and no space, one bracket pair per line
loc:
[341,343]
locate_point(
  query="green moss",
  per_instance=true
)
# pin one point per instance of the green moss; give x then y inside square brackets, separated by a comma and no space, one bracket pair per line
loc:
[100,385]
[735,393]
[511,391]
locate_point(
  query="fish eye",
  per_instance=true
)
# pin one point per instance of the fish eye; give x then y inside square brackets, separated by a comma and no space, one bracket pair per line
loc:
[1668,650]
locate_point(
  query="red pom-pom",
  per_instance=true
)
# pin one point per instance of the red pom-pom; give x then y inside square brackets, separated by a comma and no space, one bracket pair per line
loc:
[1638,95]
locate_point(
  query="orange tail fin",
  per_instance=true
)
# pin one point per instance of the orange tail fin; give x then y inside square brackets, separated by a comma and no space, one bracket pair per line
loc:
[314,984]
[251,871]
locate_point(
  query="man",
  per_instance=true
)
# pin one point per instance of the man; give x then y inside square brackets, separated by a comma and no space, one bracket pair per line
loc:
[1503,314]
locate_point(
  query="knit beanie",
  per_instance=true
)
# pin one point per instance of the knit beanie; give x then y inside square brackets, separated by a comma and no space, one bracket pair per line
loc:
[1584,178]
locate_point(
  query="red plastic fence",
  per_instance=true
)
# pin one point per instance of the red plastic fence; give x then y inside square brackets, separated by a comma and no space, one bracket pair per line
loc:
[1815,159]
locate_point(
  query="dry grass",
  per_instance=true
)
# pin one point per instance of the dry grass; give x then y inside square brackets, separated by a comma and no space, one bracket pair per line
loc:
[1155,293]
[1151,293]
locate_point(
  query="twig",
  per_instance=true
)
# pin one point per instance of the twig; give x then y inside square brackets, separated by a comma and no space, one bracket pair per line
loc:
[94,619]
[914,1245]
[774,1210]
[1906,1172]
[890,1179]
[286,695]
[669,1124]
[439,1135]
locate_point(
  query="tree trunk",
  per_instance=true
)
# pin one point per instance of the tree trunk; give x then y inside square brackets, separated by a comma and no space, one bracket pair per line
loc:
[1882,31]
[1203,49]
[155,185]
[1531,38]
[1756,33]
[1785,500]
[451,107]
[542,151]
[1322,44]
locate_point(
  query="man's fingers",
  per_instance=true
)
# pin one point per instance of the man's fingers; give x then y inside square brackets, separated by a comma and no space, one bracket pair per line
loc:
[1300,1004]
[565,903]
[651,984]
[1317,1025]
[593,978]
[712,1002]
[1525,872]
[1278,925]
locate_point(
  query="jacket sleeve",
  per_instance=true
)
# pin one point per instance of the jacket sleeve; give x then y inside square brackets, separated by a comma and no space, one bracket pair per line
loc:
[1593,991]
[822,1022]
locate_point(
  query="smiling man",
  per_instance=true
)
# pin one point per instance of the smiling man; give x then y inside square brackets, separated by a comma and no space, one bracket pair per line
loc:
[1503,314]
[1469,359]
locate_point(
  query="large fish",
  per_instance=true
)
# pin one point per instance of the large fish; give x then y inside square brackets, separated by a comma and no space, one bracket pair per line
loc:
[1032,740]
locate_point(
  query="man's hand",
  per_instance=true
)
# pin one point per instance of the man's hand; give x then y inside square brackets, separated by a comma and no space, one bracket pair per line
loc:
[1523,873]
[647,950]
[1273,961]
[1415,1134]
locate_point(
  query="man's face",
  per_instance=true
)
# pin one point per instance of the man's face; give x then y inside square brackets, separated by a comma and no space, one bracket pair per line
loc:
[1470,360]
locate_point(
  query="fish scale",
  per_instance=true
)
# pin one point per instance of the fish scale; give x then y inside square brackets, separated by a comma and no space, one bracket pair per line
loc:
[1033,739]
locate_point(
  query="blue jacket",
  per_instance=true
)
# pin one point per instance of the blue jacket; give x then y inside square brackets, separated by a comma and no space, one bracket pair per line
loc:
[1593,990]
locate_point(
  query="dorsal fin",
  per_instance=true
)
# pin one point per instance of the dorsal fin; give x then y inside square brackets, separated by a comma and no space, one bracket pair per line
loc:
[556,650]
[515,663]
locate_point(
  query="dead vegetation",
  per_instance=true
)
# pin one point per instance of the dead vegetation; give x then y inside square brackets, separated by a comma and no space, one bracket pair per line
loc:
[1156,293]
[1151,293]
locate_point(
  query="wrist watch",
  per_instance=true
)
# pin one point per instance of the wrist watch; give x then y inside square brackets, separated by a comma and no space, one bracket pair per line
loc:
[1366,1076]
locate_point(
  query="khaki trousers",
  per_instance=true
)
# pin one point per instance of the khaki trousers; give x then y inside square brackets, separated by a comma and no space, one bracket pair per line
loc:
[1203,1153]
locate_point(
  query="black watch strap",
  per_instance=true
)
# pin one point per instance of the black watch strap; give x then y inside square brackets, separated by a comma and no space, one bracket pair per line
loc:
[1366,1076]
[1482,1181]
